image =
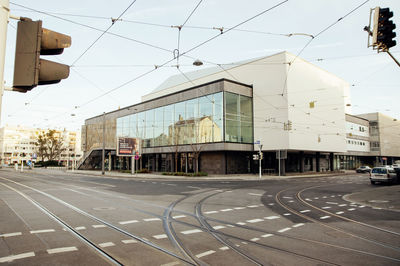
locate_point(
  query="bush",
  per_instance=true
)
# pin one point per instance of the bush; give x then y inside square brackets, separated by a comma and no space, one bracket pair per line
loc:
[46,163]
[143,171]
[185,174]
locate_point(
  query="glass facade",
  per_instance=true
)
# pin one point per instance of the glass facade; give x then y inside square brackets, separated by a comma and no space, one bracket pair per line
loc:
[199,120]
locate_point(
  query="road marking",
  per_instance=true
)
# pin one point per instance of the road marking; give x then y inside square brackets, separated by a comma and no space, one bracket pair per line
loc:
[240,223]
[151,219]
[172,185]
[80,228]
[98,226]
[211,212]
[226,210]
[254,239]
[218,227]
[316,198]
[252,206]
[287,197]
[106,244]
[351,209]
[287,214]
[271,217]
[179,216]
[11,234]
[290,201]
[255,221]
[361,206]
[129,241]
[205,253]
[160,236]
[325,217]
[324,197]
[60,250]
[154,182]
[329,202]
[255,194]
[342,205]
[16,257]
[219,190]
[224,248]
[42,231]
[129,222]
[304,211]
[239,208]
[229,225]
[271,204]
[298,225]
[339,212]
[194,187]
[171,263]
[267,235]
[327,207]
[188,232]
[308,199]
[284,229]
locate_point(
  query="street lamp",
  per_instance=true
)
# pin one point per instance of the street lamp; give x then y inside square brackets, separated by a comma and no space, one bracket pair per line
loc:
[197,62]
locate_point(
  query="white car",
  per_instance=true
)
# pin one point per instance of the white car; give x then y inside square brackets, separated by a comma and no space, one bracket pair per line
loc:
[383,174]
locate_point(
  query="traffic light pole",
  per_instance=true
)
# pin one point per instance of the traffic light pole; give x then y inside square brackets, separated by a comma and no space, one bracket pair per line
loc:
[397,62]
[4,15]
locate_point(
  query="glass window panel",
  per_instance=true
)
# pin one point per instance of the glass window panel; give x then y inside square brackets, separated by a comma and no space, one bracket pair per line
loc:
[158,126]
[205,119]
[149,128]
[246,119]
[132,126]
[119,126]
[218,117]
[232,128]
[179,128]
[192,119]
[169,124]
[141,125]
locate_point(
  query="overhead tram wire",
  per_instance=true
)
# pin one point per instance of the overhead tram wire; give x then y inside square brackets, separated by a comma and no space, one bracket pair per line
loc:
[188,51]
[104,32]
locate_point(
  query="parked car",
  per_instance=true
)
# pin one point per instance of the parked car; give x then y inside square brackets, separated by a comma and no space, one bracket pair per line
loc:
[363,169]
[383,174]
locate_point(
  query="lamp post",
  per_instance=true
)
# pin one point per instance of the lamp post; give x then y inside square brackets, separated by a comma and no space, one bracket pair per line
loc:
[103,154]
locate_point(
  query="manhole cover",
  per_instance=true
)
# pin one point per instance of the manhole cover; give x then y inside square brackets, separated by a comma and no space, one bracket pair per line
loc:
[378,201]
[104,208]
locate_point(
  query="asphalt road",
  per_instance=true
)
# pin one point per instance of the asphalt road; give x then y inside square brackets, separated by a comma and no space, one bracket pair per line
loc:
[58,218]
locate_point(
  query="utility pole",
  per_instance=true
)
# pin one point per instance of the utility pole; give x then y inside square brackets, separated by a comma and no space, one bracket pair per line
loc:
[4,15]
[103,154]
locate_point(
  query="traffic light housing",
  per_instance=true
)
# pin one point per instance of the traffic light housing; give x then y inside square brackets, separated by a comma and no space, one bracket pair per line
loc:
[32,41]
[383,32]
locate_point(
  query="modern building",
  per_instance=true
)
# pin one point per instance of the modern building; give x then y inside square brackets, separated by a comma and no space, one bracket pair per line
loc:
[17,144]
[222,115]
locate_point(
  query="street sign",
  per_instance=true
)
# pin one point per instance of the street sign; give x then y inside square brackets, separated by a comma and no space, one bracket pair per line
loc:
[256,157]
[257,142]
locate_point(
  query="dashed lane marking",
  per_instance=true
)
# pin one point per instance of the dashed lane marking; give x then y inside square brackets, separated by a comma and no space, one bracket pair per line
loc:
[98,226]
[179,216]
[160,236]
[239,208]
[205,253]
[106,244]
[271,217]
[61,250]
[287,197]
[327,207]
[330,202]
[255,221]
[151,219]
[255,194]
[271,204]
[226,210]
[171,263]
[240,223]
[211,212]
[252,206]
[254,239]
[223,248]
[304,211]
[325,217]
[287,214]
[298,225]
[129,222]
[16,257]
[351,209]
[42,231]
[129,241]
[339,212]
[11,234]
[188,232]
[80,228]
[217,227]
[267,235]
[194,187]
[284,229]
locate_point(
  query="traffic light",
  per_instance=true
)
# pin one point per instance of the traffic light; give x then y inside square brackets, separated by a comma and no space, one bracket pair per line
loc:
[383,32]
[32,41]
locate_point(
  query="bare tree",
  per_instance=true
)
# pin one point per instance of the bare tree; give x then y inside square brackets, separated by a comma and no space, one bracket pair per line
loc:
[50,145]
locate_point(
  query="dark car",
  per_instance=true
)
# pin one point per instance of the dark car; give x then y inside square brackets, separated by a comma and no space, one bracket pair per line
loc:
[363,169]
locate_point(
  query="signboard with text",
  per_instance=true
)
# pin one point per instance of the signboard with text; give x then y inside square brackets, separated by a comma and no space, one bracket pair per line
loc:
[127,146]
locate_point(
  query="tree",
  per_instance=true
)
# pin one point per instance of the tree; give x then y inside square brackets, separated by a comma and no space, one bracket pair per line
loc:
[50,145]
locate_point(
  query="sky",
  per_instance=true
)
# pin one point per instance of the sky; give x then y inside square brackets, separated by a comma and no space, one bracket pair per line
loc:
[113,64]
